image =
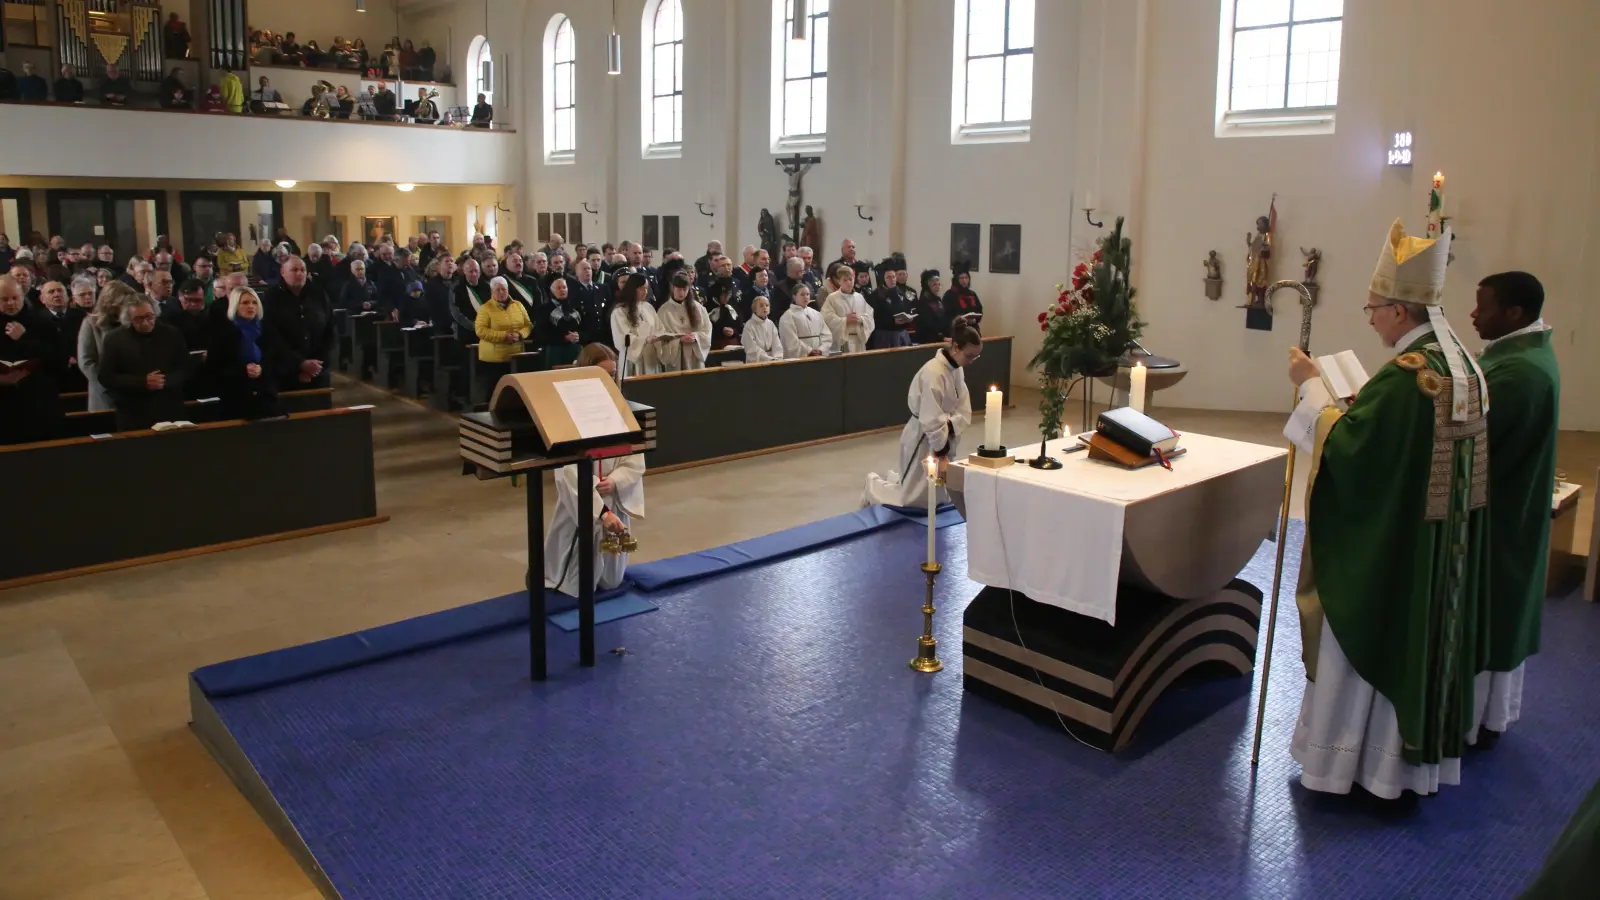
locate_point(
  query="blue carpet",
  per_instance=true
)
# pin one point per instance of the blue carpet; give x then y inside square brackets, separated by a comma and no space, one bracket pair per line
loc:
[619,607]
[764,738]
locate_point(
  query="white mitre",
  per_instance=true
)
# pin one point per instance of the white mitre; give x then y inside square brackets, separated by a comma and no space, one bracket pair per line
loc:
[1411,270]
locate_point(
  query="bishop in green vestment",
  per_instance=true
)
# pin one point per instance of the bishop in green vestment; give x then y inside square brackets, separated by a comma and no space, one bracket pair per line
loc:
[1526,386]
[1394,572]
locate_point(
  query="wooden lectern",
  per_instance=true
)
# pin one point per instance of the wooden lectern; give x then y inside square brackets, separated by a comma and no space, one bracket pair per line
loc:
[540,421]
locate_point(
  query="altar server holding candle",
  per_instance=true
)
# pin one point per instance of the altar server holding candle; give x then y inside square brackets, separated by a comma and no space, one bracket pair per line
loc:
[941,410]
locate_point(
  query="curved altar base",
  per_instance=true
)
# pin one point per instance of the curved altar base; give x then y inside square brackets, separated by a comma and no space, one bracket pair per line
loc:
[1100,680]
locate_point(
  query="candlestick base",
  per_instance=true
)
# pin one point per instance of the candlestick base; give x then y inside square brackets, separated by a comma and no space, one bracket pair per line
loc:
[1045,462]
[992,452]
[991,459]
[927,658]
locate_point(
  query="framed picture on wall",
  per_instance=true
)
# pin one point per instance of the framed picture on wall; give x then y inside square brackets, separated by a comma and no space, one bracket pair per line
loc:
[375,228]
[543,220]
[558,225]
[340,227]
[669,233]
[1005,249]
[965,246]
[574,232]
[651,233]
[427,225]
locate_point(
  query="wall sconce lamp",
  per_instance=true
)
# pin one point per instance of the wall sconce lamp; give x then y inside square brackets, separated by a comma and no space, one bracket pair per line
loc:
[588,210]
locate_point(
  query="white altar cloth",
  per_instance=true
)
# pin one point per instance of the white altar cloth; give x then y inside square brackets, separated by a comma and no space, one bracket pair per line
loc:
[1057,536]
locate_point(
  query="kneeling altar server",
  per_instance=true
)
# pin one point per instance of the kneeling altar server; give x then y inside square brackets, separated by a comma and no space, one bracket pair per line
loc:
[1394,571]
[618,500]
[941,410]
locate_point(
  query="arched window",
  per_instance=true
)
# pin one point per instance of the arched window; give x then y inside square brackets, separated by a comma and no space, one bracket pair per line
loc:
[799,76]
[993,97]
[661,98]
[560,91]
[480,70]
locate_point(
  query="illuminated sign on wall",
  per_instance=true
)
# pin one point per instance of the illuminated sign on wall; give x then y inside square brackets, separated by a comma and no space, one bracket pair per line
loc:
[1400,149]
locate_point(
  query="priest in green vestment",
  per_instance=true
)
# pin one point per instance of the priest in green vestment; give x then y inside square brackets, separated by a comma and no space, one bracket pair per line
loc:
[1526,386]
[1394,571]
[1573,867]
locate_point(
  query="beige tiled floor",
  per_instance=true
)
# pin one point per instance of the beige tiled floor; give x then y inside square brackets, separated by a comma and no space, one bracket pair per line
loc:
[104,792]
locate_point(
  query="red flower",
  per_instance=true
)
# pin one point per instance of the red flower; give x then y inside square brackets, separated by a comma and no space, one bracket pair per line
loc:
[1043,326]
[1043,316]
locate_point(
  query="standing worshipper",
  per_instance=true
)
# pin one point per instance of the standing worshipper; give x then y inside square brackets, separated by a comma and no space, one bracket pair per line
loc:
[726,325]
[783,291]
[633,322]
[941,410]
[847,314]
[30,398]
[929,327]
[143,365]
[302,315]
[802,329]
[685,329]
[618,500]
[524,287]
[470,294]
[891,313]
[244,359]
[961,303]
[501,326]
[1525,385]
[759,336]
[1394,574]
[591,303]
[562,325]
[438,293]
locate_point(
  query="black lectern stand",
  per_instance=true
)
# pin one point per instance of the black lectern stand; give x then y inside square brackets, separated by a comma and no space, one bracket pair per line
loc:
[526,431]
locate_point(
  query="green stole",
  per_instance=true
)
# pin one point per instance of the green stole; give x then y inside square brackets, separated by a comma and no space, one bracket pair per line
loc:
[1396,554]
[520,288]
[1525,387]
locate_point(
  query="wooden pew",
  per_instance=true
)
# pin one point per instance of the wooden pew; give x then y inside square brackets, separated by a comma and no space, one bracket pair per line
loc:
[717,358]
[527,361]
[341,327]
[363,343]
[450,363]
[416,359]
[388,353]
[83,423]
[74,401]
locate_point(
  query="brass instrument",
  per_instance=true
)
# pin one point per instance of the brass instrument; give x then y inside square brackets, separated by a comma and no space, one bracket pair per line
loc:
[1307,303]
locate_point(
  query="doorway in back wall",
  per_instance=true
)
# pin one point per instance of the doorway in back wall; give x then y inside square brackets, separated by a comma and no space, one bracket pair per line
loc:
[127,220]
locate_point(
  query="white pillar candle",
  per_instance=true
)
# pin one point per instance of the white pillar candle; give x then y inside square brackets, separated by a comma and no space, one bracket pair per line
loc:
[933,474]
[991,417]
[1136,382]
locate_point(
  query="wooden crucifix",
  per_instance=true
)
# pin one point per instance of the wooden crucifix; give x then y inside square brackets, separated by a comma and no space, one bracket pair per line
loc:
[795,167]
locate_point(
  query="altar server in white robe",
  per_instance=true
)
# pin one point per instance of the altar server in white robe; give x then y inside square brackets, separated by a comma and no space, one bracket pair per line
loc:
[618,500]
[760,338]
[633,323]
[683,332]
[847,314]
[802,330]
[941,410]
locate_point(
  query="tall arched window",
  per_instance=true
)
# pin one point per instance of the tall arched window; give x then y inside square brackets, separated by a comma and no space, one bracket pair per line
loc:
[661,84]
[799,76]
[480,69]
[560,91]
[993,97]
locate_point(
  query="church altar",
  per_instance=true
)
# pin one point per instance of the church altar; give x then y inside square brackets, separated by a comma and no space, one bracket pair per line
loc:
[1104,585]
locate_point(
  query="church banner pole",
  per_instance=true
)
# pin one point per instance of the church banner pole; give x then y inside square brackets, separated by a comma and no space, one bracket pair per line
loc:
[1306,304]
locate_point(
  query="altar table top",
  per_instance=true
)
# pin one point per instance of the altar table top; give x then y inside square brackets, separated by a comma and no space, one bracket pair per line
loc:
[1057,536]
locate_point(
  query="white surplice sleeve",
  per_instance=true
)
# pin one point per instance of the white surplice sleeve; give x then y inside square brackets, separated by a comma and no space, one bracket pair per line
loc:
[941,410]
[869,322]
[702,332]
[789,337]
[834,310]
[628,478]
[1301,429]
[760,341]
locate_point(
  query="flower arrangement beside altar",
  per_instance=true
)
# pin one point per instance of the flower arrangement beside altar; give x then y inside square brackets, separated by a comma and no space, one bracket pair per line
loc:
[1088,328]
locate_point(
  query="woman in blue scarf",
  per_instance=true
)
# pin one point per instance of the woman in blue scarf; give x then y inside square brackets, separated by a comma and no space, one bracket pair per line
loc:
[246,359]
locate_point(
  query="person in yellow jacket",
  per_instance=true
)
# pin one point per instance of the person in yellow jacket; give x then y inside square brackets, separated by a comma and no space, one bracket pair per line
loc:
[502,326]
[232,91]
[231,257]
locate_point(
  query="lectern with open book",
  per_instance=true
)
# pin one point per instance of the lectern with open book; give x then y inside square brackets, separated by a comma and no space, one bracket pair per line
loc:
[545,420]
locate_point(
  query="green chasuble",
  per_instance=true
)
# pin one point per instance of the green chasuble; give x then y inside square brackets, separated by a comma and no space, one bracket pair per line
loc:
[1524,395]
[1395,550]
[1573,867]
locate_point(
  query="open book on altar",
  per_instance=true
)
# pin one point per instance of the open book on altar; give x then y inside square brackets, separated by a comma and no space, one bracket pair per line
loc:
[1343,376]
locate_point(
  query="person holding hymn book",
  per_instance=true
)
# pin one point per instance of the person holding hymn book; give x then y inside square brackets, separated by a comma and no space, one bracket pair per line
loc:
[961,303]
[633,322]
[941,411]
[618,500]
[143,365]
[1525,385]
[891,312]
[245,360]
[562,325]
[847,313]
[685,329]
[726,327]
[360,294]
[802,329]
[760,336]
[1394,574]
[31,358]
[501,326]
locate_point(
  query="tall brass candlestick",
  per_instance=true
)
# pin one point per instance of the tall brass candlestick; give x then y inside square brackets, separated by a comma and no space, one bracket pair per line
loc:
[927,658]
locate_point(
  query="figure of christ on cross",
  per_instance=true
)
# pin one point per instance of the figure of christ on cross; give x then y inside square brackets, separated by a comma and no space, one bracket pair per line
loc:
[795,167]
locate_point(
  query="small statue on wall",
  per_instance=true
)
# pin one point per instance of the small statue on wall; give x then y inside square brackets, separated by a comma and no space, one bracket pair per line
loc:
[1213,276]
[1258,261]
[811,231]
[767,230]
[1313,262]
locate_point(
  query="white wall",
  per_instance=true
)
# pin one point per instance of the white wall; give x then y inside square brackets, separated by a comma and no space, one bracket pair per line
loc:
[69,141]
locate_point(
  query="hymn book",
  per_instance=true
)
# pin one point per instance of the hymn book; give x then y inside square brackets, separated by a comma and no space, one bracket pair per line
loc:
[1343,376]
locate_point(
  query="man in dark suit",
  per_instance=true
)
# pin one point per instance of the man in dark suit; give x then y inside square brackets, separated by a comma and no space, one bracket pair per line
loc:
[303,317]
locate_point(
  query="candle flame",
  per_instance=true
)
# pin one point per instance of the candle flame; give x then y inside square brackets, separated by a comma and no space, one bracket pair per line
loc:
[994,389]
